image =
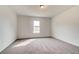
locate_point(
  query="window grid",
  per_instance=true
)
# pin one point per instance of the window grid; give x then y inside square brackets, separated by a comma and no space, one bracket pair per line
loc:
[36,26]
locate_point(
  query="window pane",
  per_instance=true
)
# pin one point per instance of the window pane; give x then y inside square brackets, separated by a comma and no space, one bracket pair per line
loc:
[36,23]
[36,29]
[36,32]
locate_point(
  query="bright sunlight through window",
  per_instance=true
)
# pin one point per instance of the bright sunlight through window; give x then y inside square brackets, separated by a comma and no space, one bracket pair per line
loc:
[36,26]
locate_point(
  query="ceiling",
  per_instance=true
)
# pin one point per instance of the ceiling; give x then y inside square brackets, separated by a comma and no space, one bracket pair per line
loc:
[35,10]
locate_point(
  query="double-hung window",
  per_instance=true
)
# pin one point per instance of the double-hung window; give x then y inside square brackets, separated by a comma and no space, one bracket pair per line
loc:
[36,26]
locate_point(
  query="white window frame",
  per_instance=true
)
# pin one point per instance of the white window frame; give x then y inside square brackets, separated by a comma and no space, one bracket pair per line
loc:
[36,26]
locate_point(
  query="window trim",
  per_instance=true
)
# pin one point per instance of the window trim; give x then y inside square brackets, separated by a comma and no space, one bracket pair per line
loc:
[36,26]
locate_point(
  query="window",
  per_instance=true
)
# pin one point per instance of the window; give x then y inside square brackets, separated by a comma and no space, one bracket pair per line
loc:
[36,26]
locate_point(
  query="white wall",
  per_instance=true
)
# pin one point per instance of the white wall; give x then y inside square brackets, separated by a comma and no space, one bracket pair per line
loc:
[65,26]
[7,27]
[25,27]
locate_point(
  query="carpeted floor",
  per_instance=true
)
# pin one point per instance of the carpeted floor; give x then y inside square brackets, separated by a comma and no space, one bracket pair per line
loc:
[41,46]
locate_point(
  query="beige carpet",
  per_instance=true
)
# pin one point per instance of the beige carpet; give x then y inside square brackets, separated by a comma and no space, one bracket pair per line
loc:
[41,46]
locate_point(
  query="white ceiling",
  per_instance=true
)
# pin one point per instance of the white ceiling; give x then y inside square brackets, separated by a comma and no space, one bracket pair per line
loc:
[35,10]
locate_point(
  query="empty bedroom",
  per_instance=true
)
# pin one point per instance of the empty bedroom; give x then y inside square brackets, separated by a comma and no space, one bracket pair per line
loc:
[39,29]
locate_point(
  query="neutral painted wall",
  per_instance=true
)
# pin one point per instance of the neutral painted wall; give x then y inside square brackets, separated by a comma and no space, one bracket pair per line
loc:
[65,26]
[25,27]
[7,27]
